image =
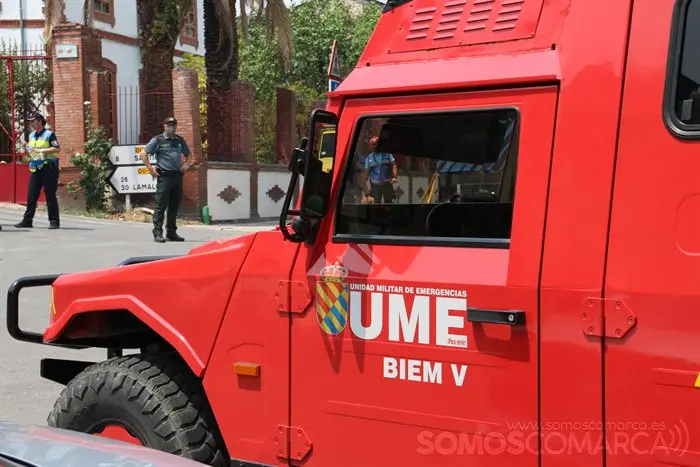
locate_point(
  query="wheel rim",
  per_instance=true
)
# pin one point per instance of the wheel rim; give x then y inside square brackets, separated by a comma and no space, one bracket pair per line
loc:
[119,433]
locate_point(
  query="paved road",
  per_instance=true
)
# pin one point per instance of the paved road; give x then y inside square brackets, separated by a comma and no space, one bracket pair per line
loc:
[81,244]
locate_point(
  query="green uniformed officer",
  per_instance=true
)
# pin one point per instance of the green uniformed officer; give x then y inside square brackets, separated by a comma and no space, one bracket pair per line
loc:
[173,158]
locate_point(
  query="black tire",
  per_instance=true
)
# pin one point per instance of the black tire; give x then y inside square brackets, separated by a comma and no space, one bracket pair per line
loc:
[154,396]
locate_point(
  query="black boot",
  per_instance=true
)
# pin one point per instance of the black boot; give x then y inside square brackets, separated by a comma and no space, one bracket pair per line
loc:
[173,237]
[158,238]
[24,224]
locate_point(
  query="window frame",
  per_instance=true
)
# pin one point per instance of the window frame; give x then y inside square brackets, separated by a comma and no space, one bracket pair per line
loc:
[109,18]
[674,125]
[463,242]
[191,40]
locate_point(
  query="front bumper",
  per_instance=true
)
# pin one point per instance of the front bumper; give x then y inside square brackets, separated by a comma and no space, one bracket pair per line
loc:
[13,306]
[43,281]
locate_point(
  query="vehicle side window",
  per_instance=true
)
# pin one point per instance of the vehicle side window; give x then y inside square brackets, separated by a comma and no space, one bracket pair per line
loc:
[431,178]
[682,106]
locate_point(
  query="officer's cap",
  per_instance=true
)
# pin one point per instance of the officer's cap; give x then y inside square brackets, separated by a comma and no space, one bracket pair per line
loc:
[37,116]
[170,121]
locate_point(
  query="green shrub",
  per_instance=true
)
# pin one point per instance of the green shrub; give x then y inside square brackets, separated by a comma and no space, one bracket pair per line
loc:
[94,167]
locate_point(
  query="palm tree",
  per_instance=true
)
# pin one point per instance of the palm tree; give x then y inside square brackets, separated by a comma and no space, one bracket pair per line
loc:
[221,57]
[55,13]
[160,23]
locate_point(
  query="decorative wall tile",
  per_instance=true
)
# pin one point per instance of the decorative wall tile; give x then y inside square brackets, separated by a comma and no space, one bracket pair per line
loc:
[272,188]
[228,192]
[276,193]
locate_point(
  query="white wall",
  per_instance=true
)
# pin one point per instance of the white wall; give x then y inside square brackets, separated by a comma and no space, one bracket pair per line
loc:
[127,58]
[34,39]
[267,206]
[125,17]
[126,23]
[219,180]
[32,9]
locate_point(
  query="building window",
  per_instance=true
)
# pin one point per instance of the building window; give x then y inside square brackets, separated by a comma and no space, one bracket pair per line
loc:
[682,100]
[189,34]
[102,6]
[431,179]
[103,10]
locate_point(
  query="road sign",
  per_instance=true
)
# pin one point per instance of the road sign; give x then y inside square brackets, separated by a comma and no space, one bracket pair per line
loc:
[131,179]
[334,68]
[334,64]
[128,155]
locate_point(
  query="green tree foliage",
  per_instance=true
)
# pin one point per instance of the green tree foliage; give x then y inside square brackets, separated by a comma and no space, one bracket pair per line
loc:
[315,24]
[94,166]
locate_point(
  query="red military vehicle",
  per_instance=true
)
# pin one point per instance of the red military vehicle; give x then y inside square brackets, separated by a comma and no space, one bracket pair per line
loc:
[520,294]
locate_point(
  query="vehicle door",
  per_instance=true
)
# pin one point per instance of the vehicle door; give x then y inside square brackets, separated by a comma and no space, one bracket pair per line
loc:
[419,342]
[652,356]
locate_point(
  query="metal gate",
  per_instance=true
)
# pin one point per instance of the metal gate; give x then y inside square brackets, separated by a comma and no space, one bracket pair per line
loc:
[25,88]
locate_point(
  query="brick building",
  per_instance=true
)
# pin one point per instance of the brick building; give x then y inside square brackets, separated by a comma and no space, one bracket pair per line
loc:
[22,22]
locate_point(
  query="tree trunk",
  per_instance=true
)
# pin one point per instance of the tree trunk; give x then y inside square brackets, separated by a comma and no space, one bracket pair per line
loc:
[220,76]
[156,89]
[159,30]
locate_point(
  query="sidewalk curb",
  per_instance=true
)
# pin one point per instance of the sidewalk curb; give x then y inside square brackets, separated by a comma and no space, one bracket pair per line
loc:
[220,227]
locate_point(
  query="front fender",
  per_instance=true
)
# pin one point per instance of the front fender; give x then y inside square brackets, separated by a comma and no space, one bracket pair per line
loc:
[181,299]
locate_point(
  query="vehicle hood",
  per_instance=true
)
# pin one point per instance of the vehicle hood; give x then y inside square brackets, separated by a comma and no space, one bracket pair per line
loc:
[221,243]
[43,446]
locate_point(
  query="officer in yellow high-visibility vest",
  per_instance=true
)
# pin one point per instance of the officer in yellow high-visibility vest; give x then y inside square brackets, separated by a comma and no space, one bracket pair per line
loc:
[43,151]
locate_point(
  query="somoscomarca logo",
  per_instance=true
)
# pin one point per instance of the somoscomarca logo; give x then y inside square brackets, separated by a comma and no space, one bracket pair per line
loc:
[332,299]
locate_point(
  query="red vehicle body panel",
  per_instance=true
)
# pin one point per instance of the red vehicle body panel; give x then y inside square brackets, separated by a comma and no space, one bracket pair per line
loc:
[337,380]
[255,329]
[593,229]
[592,49]
[652,372]
[168,296]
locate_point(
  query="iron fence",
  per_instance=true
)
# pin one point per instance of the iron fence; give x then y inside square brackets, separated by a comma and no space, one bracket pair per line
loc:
[25,88]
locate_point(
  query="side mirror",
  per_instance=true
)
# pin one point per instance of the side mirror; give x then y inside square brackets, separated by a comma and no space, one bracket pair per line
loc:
[314,160]
[318,167]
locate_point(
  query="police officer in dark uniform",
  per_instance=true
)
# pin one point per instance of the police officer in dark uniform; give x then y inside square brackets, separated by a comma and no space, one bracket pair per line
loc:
[173,158]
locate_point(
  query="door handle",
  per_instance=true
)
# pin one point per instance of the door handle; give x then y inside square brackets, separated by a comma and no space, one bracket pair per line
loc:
[507,317]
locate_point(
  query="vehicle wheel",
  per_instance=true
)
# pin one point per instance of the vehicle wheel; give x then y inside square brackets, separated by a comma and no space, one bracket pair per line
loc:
[148,399]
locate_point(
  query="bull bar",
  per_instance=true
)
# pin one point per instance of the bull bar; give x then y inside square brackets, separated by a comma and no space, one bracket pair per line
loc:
[13,306]
[43,281]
